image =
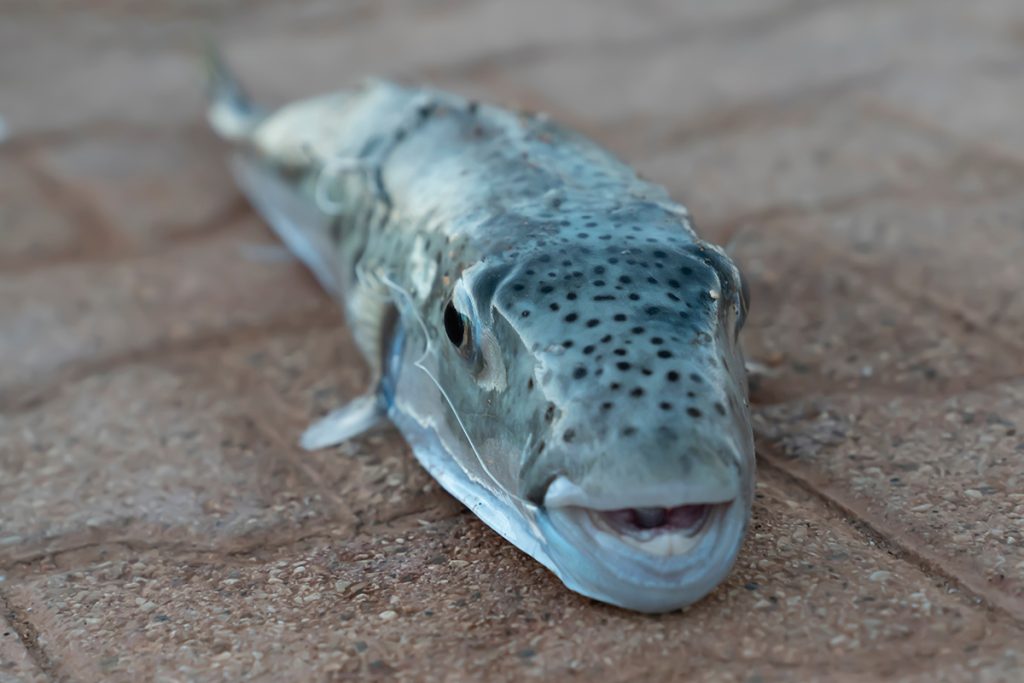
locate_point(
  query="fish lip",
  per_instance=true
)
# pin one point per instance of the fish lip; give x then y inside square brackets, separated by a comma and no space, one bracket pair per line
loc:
[599,565]
[562,493]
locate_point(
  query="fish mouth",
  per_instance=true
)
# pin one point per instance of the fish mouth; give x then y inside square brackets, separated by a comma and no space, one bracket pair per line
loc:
[650,558]
[657,531]
[636,537]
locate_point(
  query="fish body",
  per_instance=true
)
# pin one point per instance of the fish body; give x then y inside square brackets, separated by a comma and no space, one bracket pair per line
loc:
[552,338]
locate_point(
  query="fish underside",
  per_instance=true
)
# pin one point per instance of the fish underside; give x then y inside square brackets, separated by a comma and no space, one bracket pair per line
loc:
[554,341]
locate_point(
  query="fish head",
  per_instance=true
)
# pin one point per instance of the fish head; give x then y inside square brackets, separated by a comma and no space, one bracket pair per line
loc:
[620,413]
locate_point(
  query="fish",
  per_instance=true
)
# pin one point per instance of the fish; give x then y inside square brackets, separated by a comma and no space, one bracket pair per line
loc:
[545,328]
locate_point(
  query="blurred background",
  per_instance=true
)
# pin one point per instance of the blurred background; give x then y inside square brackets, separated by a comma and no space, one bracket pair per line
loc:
[862,160]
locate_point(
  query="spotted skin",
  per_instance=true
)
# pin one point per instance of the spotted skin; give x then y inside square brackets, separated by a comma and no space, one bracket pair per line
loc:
[621,336]
[533,312]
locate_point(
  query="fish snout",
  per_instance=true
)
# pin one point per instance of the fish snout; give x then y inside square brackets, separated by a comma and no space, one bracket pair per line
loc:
[653,549]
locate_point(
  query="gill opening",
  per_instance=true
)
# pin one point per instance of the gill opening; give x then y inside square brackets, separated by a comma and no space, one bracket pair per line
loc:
[407,301]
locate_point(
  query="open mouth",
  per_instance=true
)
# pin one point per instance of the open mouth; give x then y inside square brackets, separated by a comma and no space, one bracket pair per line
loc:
[652,549]
[650,558]
[672,521]
[645,521]
[658,531]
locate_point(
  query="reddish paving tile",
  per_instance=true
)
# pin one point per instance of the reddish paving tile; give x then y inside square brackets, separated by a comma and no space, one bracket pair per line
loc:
[146,455]
[914,294]
[199,450]
[832,329]
[449,600]
[958,253]
[939,475]
[31,227]
[927,94]
[85,312]
[146,185]
[439,39]
[794,157]
[699,79]
[108,69]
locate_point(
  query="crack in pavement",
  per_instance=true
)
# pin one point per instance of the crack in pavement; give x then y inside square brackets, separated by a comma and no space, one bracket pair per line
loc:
[119,545]
[888,540]
[28,635]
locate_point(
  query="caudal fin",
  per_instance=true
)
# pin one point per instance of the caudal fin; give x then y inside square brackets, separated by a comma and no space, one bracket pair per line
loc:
[230,112]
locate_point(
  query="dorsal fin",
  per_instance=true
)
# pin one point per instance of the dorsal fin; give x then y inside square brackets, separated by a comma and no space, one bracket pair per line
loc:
[231,113]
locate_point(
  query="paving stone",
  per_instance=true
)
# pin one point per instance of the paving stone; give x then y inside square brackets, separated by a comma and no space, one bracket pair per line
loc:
[449,600]
[147,72]
[435,38]
[694,16]
[60,316]
[148,185]
[795,158]
[1004,17]
[915,294]
[694,83]
[16,666]
[292,379]
[963,256]
[930,93]
[818,325]
[967,88]
[200,451]
[62,91]
[940,475]
[148,456]
[31,226]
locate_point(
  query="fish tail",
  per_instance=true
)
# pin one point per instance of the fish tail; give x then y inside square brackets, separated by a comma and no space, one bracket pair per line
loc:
[230,111]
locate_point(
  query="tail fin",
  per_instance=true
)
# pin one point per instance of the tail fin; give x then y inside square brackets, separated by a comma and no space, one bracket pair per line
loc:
[231,113]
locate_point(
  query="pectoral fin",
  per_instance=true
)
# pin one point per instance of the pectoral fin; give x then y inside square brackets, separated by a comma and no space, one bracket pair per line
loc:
[349,421]
[377,329]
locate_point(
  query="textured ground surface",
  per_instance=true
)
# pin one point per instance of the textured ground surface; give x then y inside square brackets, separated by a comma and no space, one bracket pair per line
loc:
[864,158]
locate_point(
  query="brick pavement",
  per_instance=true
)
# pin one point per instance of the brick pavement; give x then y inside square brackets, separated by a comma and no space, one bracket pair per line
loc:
[863,159]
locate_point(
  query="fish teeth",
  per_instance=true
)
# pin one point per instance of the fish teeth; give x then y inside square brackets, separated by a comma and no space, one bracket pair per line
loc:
[662,544]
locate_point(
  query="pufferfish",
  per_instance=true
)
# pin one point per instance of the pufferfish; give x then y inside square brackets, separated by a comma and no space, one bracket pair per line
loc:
[544,327]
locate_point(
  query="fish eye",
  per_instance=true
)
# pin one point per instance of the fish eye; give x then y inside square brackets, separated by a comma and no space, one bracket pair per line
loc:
[456,325]
[477,348]
[733,285]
